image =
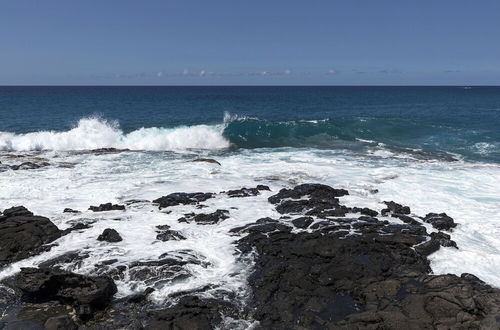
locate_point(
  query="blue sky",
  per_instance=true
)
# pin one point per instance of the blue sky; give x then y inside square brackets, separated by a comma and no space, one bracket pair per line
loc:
[219,42]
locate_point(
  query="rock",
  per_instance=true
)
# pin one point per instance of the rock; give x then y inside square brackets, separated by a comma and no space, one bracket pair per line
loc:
[302,222]
[321,202]
[75,257]
[182,198]
[207,160]
[107,207]
[245,192]
[206,219]
[314,191]
[103,151]
[17,211]
[395,208]
[365,211]
[192,313]
[140,297]
[86,293]
[169,235]
[444,239]
[29,166]
[110,235]
[370,281]
[440,221]
[63,322]
[23,235]
[68,210]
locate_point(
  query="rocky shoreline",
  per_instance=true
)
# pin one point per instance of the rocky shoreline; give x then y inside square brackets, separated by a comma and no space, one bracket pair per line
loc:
[315,267]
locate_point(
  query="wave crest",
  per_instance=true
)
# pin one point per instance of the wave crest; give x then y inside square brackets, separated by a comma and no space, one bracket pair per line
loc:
[94,133]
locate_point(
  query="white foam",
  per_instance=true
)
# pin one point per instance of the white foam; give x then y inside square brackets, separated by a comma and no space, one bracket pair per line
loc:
[94,133]
[467,192]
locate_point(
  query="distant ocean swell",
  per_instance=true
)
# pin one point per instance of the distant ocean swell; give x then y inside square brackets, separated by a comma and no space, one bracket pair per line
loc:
[250,133]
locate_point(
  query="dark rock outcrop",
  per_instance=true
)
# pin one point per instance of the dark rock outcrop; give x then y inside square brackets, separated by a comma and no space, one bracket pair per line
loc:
[87,294]
[68,210]
[440,221]
[192,313]
[302,222]
[23,235]
[107,207]
[393,207]
[167,234]
[206,160]
[246,192]
[370,281]
[110,235]
[206,218]
[182,198]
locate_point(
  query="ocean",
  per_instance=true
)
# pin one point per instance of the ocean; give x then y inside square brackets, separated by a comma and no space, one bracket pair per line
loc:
[436,149]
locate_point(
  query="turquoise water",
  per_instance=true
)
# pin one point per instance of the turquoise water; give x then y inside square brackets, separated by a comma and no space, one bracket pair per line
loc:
[450,122]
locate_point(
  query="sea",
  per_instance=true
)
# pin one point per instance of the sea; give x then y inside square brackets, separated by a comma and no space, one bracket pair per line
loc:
[435,149]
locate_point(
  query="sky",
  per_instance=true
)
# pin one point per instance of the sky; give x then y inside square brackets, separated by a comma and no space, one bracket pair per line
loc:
[243,42]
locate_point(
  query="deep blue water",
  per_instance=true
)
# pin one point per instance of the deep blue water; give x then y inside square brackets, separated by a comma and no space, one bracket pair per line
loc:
[455,120]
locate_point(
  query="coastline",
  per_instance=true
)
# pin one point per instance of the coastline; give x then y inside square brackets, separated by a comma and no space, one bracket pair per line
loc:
[308,261]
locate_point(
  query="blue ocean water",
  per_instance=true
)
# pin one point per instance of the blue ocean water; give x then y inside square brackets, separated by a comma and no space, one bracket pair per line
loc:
[451,121]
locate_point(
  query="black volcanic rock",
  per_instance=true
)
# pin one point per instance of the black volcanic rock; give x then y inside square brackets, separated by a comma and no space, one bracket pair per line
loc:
[313,190]
[302,222]
[110,235]
[169,235]
[370,281]
[206,218]
[192,313]
[84,292]
[245,192]
[182,198]
[22,234]
[395,208]
[68,210]
[107,207]
[365,211]
[440,221]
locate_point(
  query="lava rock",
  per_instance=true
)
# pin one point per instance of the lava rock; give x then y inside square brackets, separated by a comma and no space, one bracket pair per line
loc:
[169,235]
[192,313]
[440,221]
[110,235]
[207,160]
[29,166]
[107,207]
[395,208]
[23,235]
[371,281]
[302,222]
[182,198]
[365,211]
[140,297]
[63,322]
[83,292]
[314,190]
[68,210]
[206,218]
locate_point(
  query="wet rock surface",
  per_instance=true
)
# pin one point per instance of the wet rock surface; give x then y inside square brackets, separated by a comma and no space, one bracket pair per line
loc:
[321,265]
[246,192]
[206,218]
[107,207]
[440,221]
[87,294]
[182,198]
[23,234]
[110,235]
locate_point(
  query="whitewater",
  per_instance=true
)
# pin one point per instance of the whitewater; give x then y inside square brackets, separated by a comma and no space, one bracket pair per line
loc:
[159,161]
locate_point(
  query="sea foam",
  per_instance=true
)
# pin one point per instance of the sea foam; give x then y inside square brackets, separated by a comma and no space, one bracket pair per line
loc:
[93,133]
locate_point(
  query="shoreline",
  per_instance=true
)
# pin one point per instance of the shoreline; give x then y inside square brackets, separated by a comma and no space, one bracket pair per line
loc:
[319,264]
